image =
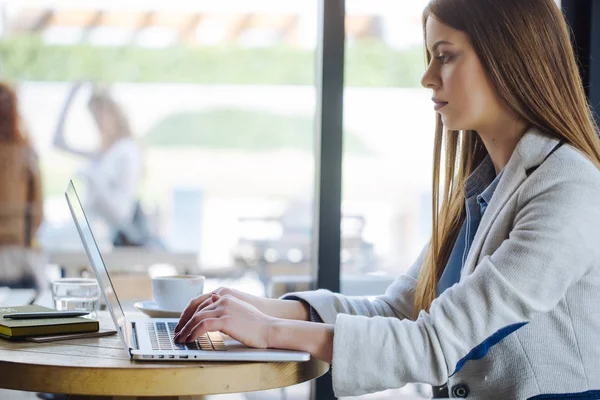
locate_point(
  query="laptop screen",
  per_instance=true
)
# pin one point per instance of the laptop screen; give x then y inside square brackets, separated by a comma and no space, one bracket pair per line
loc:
[91,248]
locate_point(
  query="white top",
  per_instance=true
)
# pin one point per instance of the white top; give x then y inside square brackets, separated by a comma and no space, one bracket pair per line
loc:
[112,182]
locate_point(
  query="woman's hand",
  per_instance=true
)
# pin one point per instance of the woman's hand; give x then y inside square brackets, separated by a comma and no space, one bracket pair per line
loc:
[247,324]
[199,303]
[286,309]
[231,316]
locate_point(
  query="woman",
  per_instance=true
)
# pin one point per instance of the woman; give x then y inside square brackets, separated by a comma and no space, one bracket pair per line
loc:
[503,302]
[113,172]
[21,266]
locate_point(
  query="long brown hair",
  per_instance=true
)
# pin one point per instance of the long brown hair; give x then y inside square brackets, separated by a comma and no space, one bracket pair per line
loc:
[525,49]
[17,156]
[10,123]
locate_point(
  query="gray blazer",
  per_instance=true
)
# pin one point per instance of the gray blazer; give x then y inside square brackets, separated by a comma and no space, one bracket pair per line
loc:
[524,320]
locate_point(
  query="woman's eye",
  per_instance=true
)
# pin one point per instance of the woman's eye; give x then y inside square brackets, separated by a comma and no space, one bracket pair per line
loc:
[444,58]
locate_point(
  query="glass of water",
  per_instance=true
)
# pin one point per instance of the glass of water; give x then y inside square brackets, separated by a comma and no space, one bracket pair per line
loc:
[76,294]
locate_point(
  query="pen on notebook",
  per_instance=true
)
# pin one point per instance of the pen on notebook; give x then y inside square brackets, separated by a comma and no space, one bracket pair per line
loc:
[45,314]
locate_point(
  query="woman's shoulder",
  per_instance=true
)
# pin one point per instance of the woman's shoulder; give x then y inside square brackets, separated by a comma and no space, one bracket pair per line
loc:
[566,172]
[569,161]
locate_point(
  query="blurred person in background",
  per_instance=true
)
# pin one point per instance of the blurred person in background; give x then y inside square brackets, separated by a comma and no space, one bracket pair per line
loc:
[21,208]
[113,172]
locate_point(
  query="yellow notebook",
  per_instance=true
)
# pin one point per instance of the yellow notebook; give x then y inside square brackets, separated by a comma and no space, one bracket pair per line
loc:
[13,328]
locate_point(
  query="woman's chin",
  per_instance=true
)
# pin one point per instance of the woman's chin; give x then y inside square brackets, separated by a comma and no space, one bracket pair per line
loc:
[452,125]
[448,123]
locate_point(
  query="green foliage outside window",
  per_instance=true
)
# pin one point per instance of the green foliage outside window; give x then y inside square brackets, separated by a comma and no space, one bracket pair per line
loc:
[368,63]
[241,129]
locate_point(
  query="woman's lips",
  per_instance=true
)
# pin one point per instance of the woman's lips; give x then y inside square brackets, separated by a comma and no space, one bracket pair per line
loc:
[439,104]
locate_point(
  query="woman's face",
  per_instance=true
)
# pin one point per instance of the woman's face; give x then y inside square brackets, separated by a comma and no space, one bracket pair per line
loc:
[106,122]
[464,96]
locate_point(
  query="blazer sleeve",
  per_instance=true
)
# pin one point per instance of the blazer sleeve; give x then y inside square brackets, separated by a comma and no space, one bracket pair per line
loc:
[552,245]
[397,301]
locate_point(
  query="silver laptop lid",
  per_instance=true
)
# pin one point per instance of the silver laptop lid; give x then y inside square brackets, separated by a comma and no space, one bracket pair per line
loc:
[93,253]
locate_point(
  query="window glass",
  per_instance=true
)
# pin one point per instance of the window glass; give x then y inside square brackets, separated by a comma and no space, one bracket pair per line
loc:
[389,126]
[220,102]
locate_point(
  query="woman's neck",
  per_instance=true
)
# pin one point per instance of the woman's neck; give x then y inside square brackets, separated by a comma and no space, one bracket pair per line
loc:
[501,140]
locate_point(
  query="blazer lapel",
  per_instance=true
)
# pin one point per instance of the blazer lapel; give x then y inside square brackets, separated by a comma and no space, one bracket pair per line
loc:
[530,151]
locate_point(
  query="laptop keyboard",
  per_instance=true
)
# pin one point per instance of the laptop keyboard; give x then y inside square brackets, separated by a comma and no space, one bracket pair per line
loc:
[161,338]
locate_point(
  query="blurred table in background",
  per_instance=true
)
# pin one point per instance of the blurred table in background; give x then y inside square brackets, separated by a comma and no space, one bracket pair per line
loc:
[134,259]
[132,268]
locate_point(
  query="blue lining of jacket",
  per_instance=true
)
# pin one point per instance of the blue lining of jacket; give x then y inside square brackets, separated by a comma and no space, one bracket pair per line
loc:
[481,350]
[590,394]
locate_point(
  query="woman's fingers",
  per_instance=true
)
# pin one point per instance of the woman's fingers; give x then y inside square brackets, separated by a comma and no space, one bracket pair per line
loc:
[206,325]
[190,310]
[197,304]
[211,311]
[214,297]
[194,321]
[231,316]
[200,303]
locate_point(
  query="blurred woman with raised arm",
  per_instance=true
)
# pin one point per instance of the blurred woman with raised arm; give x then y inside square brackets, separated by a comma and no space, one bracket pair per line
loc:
[503,301]
[113,172]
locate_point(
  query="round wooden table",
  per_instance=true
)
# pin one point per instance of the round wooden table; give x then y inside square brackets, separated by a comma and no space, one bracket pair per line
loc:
[99,368]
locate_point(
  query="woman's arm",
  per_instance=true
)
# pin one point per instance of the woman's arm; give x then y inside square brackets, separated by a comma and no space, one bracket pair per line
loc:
[59,135]
[247,324]
[292,335]
[397,301]
[281,309]
[301,306]
[284,309]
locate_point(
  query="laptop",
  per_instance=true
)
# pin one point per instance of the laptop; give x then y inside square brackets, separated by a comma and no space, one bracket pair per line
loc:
[152,338]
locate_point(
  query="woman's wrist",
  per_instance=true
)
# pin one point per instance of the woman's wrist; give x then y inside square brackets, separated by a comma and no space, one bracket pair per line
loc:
[287,309]
[301,310]
[292,335]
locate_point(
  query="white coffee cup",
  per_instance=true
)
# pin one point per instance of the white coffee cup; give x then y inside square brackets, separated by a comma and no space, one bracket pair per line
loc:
[173,293]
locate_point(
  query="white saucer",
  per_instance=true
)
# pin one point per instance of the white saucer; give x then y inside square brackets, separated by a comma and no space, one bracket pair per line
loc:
[151,309]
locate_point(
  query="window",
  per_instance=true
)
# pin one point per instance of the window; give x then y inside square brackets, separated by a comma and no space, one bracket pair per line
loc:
[221,100]
[389,126]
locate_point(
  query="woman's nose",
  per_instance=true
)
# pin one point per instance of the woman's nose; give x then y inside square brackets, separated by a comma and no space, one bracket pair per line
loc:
[428,80]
